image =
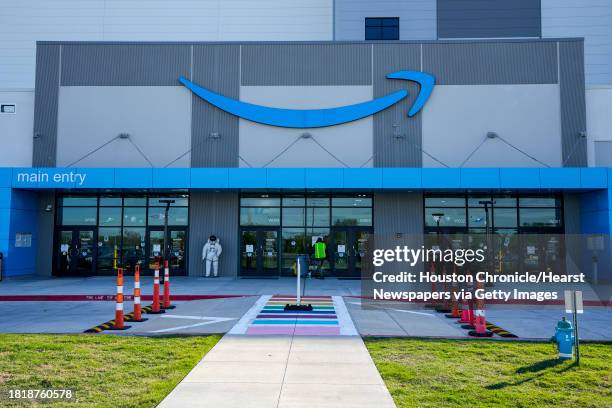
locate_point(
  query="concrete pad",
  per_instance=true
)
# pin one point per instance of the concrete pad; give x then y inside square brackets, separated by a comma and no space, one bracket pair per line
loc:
[261,349]
[237,372]
[334,396]
[223,395]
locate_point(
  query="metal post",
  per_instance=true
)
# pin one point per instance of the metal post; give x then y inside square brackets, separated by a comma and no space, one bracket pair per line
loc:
[576,342]
[298,270]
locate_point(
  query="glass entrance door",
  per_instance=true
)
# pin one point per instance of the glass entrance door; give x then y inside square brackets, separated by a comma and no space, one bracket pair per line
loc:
[349,246]
[75,252]
[259,255]
[177,245]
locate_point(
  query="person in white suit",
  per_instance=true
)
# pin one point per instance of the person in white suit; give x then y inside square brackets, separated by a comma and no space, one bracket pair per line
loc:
[210,254]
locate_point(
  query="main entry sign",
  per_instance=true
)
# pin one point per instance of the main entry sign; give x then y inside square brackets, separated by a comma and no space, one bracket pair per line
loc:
[315,118]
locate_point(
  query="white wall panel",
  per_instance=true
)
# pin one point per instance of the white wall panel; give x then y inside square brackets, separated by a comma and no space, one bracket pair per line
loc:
[417,17]
[16,129]
[456,120]
[349,144]
[599,125]
[158,120]
[591,19]
[24,22]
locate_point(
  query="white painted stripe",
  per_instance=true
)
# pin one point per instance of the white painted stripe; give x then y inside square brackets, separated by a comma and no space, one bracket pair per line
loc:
[156,273]
[241,326]
[119,289]
[566,355]
[347,328]
[214,320]
[136,285]
[119,306]
[137,300]
[156,280]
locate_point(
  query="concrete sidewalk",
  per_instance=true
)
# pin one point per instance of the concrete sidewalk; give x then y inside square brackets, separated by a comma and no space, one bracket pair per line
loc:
[283,371]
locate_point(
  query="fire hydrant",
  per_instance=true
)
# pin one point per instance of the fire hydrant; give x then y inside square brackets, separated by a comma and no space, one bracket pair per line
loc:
[564,337]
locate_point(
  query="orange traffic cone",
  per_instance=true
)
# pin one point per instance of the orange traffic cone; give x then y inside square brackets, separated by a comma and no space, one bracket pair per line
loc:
[454,314]
[166,304]
[119,321]
[137,307]
[155,308]
[480,322]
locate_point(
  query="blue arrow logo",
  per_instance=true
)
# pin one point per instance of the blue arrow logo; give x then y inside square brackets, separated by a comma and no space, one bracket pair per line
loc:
[315,118]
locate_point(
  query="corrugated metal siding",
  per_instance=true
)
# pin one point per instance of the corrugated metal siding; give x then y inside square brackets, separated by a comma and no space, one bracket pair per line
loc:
[573,105]
[215,67]
[417,18]
[469,63]
[590,19]
[306,64]
[46,105]
[397,138]
[398,213]
[124,64]
[213,213]
[488,18]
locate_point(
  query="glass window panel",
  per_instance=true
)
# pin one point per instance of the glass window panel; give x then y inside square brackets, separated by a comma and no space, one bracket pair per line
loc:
[109,245]
[317,216]
[373,22]
[176,215]
[134,216]
[539,202]
[110,216]
[473,201]
[78,215]
[352,216]
[133,247]
[317,201]
[477,217]
[110,201]
[297,201]
[260,216]
[179,201]
[135,201]
[390,33]
[264,201]
[504,218]
[540,217]
[504,201]
[453,217]
[293,216]
[373,33]
[444,202]
[356,201]
[80,201]
[390,22]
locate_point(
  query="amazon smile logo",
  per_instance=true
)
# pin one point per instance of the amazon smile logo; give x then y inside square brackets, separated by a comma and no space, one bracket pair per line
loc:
[315,118]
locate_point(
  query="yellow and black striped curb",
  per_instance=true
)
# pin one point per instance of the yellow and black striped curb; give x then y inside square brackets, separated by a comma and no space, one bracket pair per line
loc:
[105,326]
[499,331]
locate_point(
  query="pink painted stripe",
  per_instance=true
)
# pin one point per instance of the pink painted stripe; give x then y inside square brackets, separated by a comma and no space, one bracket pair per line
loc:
[270,330]
[317,331]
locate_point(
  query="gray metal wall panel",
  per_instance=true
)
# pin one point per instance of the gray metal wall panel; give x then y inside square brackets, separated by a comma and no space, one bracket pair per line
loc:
[306,64]
[488,18]
[46,228]
[473,63]
[213,213]
[215,67]
[398,213]
[573,104]
[397,138]
[124,64]
[45,105]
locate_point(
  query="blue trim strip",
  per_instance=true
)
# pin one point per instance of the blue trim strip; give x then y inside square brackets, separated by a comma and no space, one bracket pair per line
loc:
[574,179]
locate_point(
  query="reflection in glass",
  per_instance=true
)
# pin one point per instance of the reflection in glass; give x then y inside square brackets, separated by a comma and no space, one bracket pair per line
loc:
[176,215]
[259,216]
[357,201]
[133,247]
[293,217]
[110,216]
[540,217]
[134,216]
[352,216]
[453,217]
[109,242]
[78,216]
[505,217]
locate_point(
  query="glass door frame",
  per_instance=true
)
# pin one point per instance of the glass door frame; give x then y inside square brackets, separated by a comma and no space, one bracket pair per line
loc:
[173,271]
[76,230]
[351,249]
[259,231]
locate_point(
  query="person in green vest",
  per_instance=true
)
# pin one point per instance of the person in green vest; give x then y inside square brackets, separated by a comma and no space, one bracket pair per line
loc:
[320,254]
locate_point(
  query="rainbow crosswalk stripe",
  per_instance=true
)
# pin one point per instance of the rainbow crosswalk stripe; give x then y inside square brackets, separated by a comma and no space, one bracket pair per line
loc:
[272,319]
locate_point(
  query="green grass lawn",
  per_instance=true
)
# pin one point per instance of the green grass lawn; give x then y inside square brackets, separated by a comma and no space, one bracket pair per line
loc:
[463,373]
[108,371]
